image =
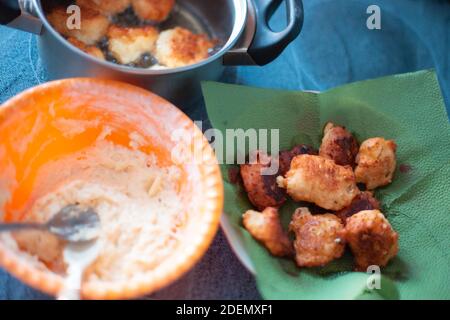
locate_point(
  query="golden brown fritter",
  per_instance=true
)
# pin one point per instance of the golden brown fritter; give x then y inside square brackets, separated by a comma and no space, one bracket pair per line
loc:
[107,7]
[266,228]
[262,190]
[363,201]
[128,44]
[92,50]
[371,239]
[339,145]
[317,238]
[153,10]
[180,47]
[94,25]
[58,19]
[286,157]
[320,181]
[376,162]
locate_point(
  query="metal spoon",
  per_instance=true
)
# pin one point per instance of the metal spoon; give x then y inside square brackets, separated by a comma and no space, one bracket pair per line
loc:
[72,223]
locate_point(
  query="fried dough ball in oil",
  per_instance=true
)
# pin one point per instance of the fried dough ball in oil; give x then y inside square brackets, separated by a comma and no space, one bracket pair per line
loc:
[286,157]
[94,25]
[320,181]
[371,239]
[376,162]
[153,10]
[262,190]
[179,47]
[266,228]
[58,19]
[91,50]
[128,44]
[317,238]
[363,201]
[339,145]
[107,7]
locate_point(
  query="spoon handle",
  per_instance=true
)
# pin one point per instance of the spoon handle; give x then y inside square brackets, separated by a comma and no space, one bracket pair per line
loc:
[5,227]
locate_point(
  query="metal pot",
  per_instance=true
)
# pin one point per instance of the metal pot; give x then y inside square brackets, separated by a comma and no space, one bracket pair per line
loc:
[242,25]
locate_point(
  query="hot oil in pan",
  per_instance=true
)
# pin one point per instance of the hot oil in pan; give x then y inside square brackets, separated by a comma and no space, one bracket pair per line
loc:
[183,17]
[180,17]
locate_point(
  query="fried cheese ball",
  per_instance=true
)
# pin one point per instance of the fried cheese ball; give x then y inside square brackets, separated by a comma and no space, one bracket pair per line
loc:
[262,190]
[320,181]
[107,7]
[91,50]
[363,201]
[339,145]
[371,239]
[376,162]
[180,47]
[286,157]
[127,45]
[153,10]
[94,25]
[266,228]
[317,238]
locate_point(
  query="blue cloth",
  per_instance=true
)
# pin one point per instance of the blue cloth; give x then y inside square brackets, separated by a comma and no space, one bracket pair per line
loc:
[335,48]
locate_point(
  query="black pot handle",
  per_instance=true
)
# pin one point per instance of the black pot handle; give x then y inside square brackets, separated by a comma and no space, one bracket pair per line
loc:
[9,11]
[267,45]
[20,14]
[259,44]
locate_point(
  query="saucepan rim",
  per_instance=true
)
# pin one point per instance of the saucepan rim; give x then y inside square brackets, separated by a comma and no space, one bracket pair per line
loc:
[240,20]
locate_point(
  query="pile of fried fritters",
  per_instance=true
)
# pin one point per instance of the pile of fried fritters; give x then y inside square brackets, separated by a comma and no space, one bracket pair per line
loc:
[338,183]
[131,32]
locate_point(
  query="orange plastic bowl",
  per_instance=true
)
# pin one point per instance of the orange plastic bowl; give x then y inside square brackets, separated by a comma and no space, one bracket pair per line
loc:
[29,140]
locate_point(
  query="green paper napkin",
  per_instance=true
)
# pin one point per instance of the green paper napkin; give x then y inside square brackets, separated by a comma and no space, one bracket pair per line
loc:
[407,108]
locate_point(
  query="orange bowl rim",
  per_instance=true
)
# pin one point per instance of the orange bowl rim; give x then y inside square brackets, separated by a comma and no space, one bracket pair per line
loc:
[52,284]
